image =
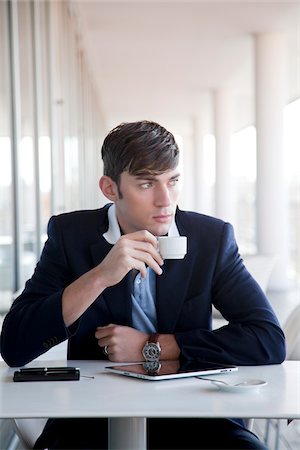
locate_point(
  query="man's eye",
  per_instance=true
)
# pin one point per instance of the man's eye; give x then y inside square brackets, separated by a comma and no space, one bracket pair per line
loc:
[146,185]
[173,182]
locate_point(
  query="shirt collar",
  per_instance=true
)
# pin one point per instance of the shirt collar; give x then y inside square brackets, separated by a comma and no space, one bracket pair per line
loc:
[113,234]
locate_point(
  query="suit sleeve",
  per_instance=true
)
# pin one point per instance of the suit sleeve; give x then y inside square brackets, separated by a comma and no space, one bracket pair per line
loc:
[253,334]
[35,323]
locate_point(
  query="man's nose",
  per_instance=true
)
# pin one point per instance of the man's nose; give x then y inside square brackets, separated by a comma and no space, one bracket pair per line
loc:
[162,196]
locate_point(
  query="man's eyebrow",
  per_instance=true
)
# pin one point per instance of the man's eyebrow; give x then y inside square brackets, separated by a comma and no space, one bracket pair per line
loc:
[144,176]
[150,177]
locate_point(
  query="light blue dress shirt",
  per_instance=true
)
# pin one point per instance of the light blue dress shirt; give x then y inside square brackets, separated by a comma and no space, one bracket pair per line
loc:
[143,302]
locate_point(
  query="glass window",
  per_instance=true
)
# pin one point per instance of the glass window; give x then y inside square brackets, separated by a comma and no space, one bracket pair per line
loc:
[92,168]
[209,162]
[41,18]
[6,191]
[71,116]
[26,155]
[292,164]
[243,172]
[45,184]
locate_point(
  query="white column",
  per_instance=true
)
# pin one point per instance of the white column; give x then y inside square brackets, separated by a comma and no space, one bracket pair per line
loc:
[56,112]
[187,197]
[201,196]
[271,187]
[223,129]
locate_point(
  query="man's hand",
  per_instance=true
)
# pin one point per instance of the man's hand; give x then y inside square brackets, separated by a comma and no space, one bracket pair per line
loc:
[132,251]
[124,344]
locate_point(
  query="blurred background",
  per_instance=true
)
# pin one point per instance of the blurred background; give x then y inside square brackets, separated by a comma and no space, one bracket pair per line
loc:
[224,77]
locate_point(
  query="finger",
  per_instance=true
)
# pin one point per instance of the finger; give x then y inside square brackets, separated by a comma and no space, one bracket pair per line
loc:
[143,241]
[137,264]
[143,235]
[145,250]
[103,332]
[148,248]
[142,266]
[104,327]
[103,342]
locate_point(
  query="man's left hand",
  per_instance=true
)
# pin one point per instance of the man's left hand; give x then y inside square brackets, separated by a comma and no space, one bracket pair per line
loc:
[124,344]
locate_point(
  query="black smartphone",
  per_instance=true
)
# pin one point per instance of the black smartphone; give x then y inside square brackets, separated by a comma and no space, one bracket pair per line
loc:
[47,374]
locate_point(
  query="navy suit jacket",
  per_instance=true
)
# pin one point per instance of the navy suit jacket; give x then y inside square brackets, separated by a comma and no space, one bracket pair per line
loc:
[212,272]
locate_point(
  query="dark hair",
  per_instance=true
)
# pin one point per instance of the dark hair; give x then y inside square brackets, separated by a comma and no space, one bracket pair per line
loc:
[140,148]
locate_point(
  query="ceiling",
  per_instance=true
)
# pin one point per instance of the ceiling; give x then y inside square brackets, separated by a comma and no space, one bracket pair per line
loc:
[162,60]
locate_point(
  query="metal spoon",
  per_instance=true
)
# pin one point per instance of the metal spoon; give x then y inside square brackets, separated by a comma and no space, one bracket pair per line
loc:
[221,381]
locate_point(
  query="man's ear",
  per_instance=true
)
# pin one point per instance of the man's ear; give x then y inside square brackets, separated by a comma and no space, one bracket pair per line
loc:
[109,188]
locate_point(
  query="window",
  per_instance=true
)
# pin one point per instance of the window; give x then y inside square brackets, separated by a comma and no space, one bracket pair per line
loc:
[6,187]
[42,67]
[50,132]
[243,172]
[292,164]
[26,151]
[209,162]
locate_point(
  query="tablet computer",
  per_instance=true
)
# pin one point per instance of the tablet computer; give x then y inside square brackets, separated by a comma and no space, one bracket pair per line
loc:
[167,370]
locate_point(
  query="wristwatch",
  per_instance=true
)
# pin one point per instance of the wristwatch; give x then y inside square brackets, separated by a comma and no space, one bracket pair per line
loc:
[152,349]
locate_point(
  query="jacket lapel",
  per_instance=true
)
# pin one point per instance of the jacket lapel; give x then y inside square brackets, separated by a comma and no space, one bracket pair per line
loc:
[118,301]
[171,287]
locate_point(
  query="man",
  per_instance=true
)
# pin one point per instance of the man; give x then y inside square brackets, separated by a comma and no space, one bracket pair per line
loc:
[102,284]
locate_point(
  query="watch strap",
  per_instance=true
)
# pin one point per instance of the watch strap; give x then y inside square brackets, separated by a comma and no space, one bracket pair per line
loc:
[153,338]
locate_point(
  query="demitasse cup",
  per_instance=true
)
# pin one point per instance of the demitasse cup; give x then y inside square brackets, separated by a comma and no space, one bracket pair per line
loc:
[172,247]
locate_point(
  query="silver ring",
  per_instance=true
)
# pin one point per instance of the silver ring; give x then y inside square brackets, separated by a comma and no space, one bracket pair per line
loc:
[105,350]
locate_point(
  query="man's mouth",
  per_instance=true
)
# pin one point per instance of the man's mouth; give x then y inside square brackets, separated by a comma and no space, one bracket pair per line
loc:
[162,218]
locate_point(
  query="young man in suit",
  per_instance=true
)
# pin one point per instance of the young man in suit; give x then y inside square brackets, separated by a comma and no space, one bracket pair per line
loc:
[102,284]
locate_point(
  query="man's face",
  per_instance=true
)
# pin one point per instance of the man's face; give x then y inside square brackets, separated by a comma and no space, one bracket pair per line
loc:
[148,202]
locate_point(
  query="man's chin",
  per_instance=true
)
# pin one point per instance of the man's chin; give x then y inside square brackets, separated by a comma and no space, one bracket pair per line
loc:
[160,230]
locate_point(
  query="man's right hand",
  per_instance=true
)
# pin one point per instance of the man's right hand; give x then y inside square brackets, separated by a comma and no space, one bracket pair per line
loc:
[132,251]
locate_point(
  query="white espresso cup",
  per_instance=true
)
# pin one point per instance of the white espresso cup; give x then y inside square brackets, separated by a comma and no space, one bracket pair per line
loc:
[172,247]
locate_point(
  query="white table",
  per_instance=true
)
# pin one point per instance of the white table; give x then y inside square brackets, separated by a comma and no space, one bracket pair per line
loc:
[127,401]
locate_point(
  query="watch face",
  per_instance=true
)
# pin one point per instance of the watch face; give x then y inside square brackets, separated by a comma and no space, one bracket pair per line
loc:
[151,351]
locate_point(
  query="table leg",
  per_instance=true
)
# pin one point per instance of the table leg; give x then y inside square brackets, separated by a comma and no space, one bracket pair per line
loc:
[127,433]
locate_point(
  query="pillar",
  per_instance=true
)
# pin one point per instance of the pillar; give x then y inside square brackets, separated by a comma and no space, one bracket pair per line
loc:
[224,204]
[271,198]
[199,169]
